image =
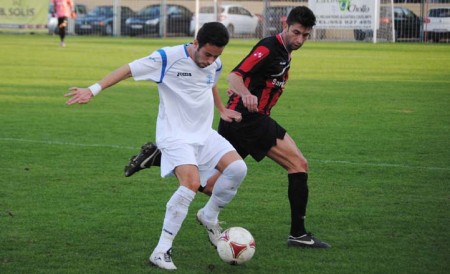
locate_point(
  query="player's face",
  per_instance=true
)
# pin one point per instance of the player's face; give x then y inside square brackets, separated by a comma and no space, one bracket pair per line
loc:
[295,35]
[206,55]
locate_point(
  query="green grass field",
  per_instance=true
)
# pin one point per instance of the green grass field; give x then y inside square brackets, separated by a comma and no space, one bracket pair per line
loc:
[373,120]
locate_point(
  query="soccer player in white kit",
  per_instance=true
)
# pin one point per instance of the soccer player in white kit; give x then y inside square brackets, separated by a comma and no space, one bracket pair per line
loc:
[191,149]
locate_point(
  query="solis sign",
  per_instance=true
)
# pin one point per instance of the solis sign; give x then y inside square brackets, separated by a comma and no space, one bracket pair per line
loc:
[344,14]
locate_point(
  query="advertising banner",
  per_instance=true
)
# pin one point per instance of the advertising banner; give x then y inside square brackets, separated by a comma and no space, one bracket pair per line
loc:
[344,14]
[23,12]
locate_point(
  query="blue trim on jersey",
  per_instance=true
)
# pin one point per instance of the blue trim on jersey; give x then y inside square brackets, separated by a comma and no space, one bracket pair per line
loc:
[164,64]
[186,50]
[219,68]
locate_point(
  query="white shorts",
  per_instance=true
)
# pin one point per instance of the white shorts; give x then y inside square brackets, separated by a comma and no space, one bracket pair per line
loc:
[205,156]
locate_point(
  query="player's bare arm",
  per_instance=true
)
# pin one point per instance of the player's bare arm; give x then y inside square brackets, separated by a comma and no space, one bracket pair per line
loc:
[236,84]
[84,95]
[227,115]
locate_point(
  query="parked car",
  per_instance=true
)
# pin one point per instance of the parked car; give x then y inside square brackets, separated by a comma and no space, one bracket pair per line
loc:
[237,19]
[146,21]
[100,20]
[437,24]
[52,23]
[275,18]
[406,24]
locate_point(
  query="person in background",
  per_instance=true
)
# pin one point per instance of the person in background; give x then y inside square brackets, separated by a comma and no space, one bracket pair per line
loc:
[63,9]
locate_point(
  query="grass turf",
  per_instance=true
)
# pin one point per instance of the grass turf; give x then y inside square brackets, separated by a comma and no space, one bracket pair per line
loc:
[373,120]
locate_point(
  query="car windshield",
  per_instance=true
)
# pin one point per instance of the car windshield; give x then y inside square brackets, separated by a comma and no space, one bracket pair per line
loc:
[439,12]
[101,11]
[150,11]
[210,10]
[276,11]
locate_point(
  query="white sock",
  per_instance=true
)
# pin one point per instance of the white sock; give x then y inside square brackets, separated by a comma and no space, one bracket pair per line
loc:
[176,211]
[225,189]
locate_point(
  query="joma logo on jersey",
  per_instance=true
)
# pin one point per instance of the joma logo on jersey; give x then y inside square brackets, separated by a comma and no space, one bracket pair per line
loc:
[184,74]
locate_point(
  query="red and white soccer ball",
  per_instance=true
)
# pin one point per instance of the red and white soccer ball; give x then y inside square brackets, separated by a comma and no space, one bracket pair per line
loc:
[236,245]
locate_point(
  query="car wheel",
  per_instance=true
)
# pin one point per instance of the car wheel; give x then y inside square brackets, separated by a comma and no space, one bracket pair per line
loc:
[359,34]
[230,29]
[436,38]
[109,30]
[320,34]
[259,31]
[187,30]
[398,35]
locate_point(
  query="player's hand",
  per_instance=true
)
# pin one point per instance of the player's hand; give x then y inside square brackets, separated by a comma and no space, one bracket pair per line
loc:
[78,96]
[250,102]
[229,115]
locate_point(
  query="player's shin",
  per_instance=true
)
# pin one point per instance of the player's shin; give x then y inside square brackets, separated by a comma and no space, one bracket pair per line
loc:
[298,199]
[225,189]
[176,211]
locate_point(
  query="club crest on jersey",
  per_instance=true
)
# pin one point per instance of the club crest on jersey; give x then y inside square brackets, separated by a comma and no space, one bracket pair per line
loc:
[153,59]
[182,74]
[258,54]
[209,79]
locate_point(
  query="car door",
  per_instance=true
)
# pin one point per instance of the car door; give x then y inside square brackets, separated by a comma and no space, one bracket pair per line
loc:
[412,24]
[178,19]
[407,24]
[248,20]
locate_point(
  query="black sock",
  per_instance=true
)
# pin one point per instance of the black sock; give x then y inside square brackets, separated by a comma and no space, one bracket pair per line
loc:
[298,199]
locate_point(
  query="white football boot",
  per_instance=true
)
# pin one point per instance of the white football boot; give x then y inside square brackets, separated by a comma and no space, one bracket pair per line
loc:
[162,260]
[214,230]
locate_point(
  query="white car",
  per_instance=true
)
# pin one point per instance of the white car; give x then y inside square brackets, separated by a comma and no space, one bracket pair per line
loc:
[237,19]
[437,24]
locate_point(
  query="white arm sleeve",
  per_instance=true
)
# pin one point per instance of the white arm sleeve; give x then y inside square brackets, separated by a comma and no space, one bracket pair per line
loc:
[149,68]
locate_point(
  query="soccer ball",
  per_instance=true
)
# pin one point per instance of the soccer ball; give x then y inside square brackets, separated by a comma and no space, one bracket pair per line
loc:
[236,245]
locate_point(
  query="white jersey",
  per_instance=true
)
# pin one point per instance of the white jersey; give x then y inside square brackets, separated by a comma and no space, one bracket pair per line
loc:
[186,103]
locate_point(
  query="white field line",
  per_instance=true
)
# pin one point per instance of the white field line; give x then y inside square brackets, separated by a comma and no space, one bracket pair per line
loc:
[46,142]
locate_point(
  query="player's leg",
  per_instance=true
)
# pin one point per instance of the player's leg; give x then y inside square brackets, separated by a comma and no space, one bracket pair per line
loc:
[287,155]
[209,186]
[62,24]
[178,205]
[232,172]
[148,156]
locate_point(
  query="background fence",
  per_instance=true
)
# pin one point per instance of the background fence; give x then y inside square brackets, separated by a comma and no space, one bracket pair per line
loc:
[399,20]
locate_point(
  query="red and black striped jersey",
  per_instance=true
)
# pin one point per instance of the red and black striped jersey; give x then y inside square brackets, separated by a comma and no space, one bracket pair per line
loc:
[265,72]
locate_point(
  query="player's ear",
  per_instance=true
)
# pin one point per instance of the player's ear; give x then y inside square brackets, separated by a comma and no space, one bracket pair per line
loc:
[195,43]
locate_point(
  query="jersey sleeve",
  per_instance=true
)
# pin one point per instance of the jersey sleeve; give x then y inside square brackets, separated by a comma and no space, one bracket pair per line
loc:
[150,68]
[218,70]
[254,59]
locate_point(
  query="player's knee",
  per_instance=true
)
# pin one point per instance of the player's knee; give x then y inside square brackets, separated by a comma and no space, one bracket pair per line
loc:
[300,165]
[236,171]
[304,164]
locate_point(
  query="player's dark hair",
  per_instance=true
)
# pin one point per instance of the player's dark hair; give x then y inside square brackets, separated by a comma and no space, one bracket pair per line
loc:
[303,16]
[213,33]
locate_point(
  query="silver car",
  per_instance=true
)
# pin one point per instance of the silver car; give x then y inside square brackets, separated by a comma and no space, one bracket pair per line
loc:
[237,19]
[437,24]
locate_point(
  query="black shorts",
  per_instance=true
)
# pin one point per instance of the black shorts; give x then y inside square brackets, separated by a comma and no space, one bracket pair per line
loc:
[62,20]
[254,135]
